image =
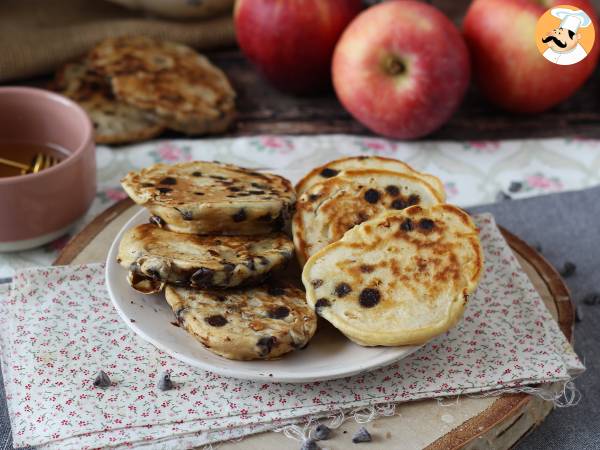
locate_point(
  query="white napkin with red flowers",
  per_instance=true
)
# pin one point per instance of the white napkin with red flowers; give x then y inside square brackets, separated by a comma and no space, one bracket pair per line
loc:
[58,328]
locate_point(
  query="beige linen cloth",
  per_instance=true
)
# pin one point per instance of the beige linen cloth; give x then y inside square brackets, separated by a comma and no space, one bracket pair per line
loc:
[37,36]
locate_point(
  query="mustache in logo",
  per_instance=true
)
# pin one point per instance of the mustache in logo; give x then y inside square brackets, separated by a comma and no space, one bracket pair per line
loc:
[555,40]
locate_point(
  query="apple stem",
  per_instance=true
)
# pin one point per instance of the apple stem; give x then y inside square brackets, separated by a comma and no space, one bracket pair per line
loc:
[393,66]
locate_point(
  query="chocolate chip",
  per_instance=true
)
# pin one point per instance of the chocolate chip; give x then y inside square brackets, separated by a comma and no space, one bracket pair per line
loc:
[164,382]
[147,185]
[309,444]
[366,268]
[362,435]
[164,190]
[217,177]
[342,289]
[398,204]
[157,220]
[256,192]
[322,432]
[328,173]
[265,345]
[187,215]
[414,199]
[281,312]
[515,186]
[102,380]
[313,197]
[202,277]
[239,216]
[199,193]
[426,224]
[322,303]
[263,260]
[227,266]
[170,181]
[369,297]
[316,283]
[275,291]
[407,225]
[250,263]
[592,298]
[568,269]
[216,321]
[234,189]
[196,174]
[392,190]
[372,196]
[220,298]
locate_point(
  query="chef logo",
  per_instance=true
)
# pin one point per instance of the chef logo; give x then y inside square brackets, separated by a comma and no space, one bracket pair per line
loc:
[564,35]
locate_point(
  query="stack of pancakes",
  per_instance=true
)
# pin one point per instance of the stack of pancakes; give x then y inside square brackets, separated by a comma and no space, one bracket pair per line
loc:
[135,87]
[385,260]
[217,233]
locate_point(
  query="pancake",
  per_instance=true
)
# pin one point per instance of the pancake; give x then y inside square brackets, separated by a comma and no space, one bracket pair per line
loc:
[115,122]
[169,80]
[399,279]
[155,256]
[212,198]
[263,322]
[338,166]
[330,208]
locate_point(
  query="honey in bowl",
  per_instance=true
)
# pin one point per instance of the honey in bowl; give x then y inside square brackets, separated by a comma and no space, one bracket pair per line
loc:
[24,153]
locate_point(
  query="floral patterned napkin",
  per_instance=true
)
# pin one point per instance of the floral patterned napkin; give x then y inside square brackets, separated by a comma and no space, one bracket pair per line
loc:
[58,328]
[475,172]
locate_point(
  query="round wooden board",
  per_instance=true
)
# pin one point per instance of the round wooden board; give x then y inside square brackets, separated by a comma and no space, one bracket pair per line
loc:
[472,423]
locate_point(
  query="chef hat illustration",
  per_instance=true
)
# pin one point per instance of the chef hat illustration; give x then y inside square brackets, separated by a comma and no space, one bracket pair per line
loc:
[570,19]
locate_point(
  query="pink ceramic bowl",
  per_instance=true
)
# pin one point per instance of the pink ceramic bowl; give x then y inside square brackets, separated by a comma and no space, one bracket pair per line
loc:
[37,208]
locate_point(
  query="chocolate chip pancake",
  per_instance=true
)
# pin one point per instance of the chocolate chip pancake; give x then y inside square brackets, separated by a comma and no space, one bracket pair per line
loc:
[339,166]
[263,322]
[169,80]
[212,198]
[399,279]
[115,122]
[330,208]
[155,256]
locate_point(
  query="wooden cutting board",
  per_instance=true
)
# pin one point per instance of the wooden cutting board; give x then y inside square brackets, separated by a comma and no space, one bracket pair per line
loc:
[472,423]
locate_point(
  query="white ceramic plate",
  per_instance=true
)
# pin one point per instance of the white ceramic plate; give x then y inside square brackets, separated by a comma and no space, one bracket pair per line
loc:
[329,354]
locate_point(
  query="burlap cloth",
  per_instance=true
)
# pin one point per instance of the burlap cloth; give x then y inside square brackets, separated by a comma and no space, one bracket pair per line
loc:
[37,36]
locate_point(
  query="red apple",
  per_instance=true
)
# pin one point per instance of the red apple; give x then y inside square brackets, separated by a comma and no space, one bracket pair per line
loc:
[401,68]
[508,67]
[291,41]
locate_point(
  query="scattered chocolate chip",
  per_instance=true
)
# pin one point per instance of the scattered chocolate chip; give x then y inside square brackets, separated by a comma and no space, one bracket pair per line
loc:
[147,185]
[157,220]
[217,177]
[313,197]
[250,263]
[322,432]
[592,298]
[164,382]
[372,195]
[309,444]
[407,225]
[578,313]
[256,192]
[170,181]
[316,283]
[216,320]
[202,277]
[281,312]
[265,345]
[164,190]
[366,268]
[102,380]
[426,224]
[568,269]
[342,289]
[515,186]
[196,174]
[392,190]
[414,199]
[263,260]
[132,320]
[322,303]
[502,197]
[220,298]
[362,435]
[234,189]
[186,215]
[199,193]
[398,204]
[328,173]
[369,297]
[275,291]
[228,267]
[239,216]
